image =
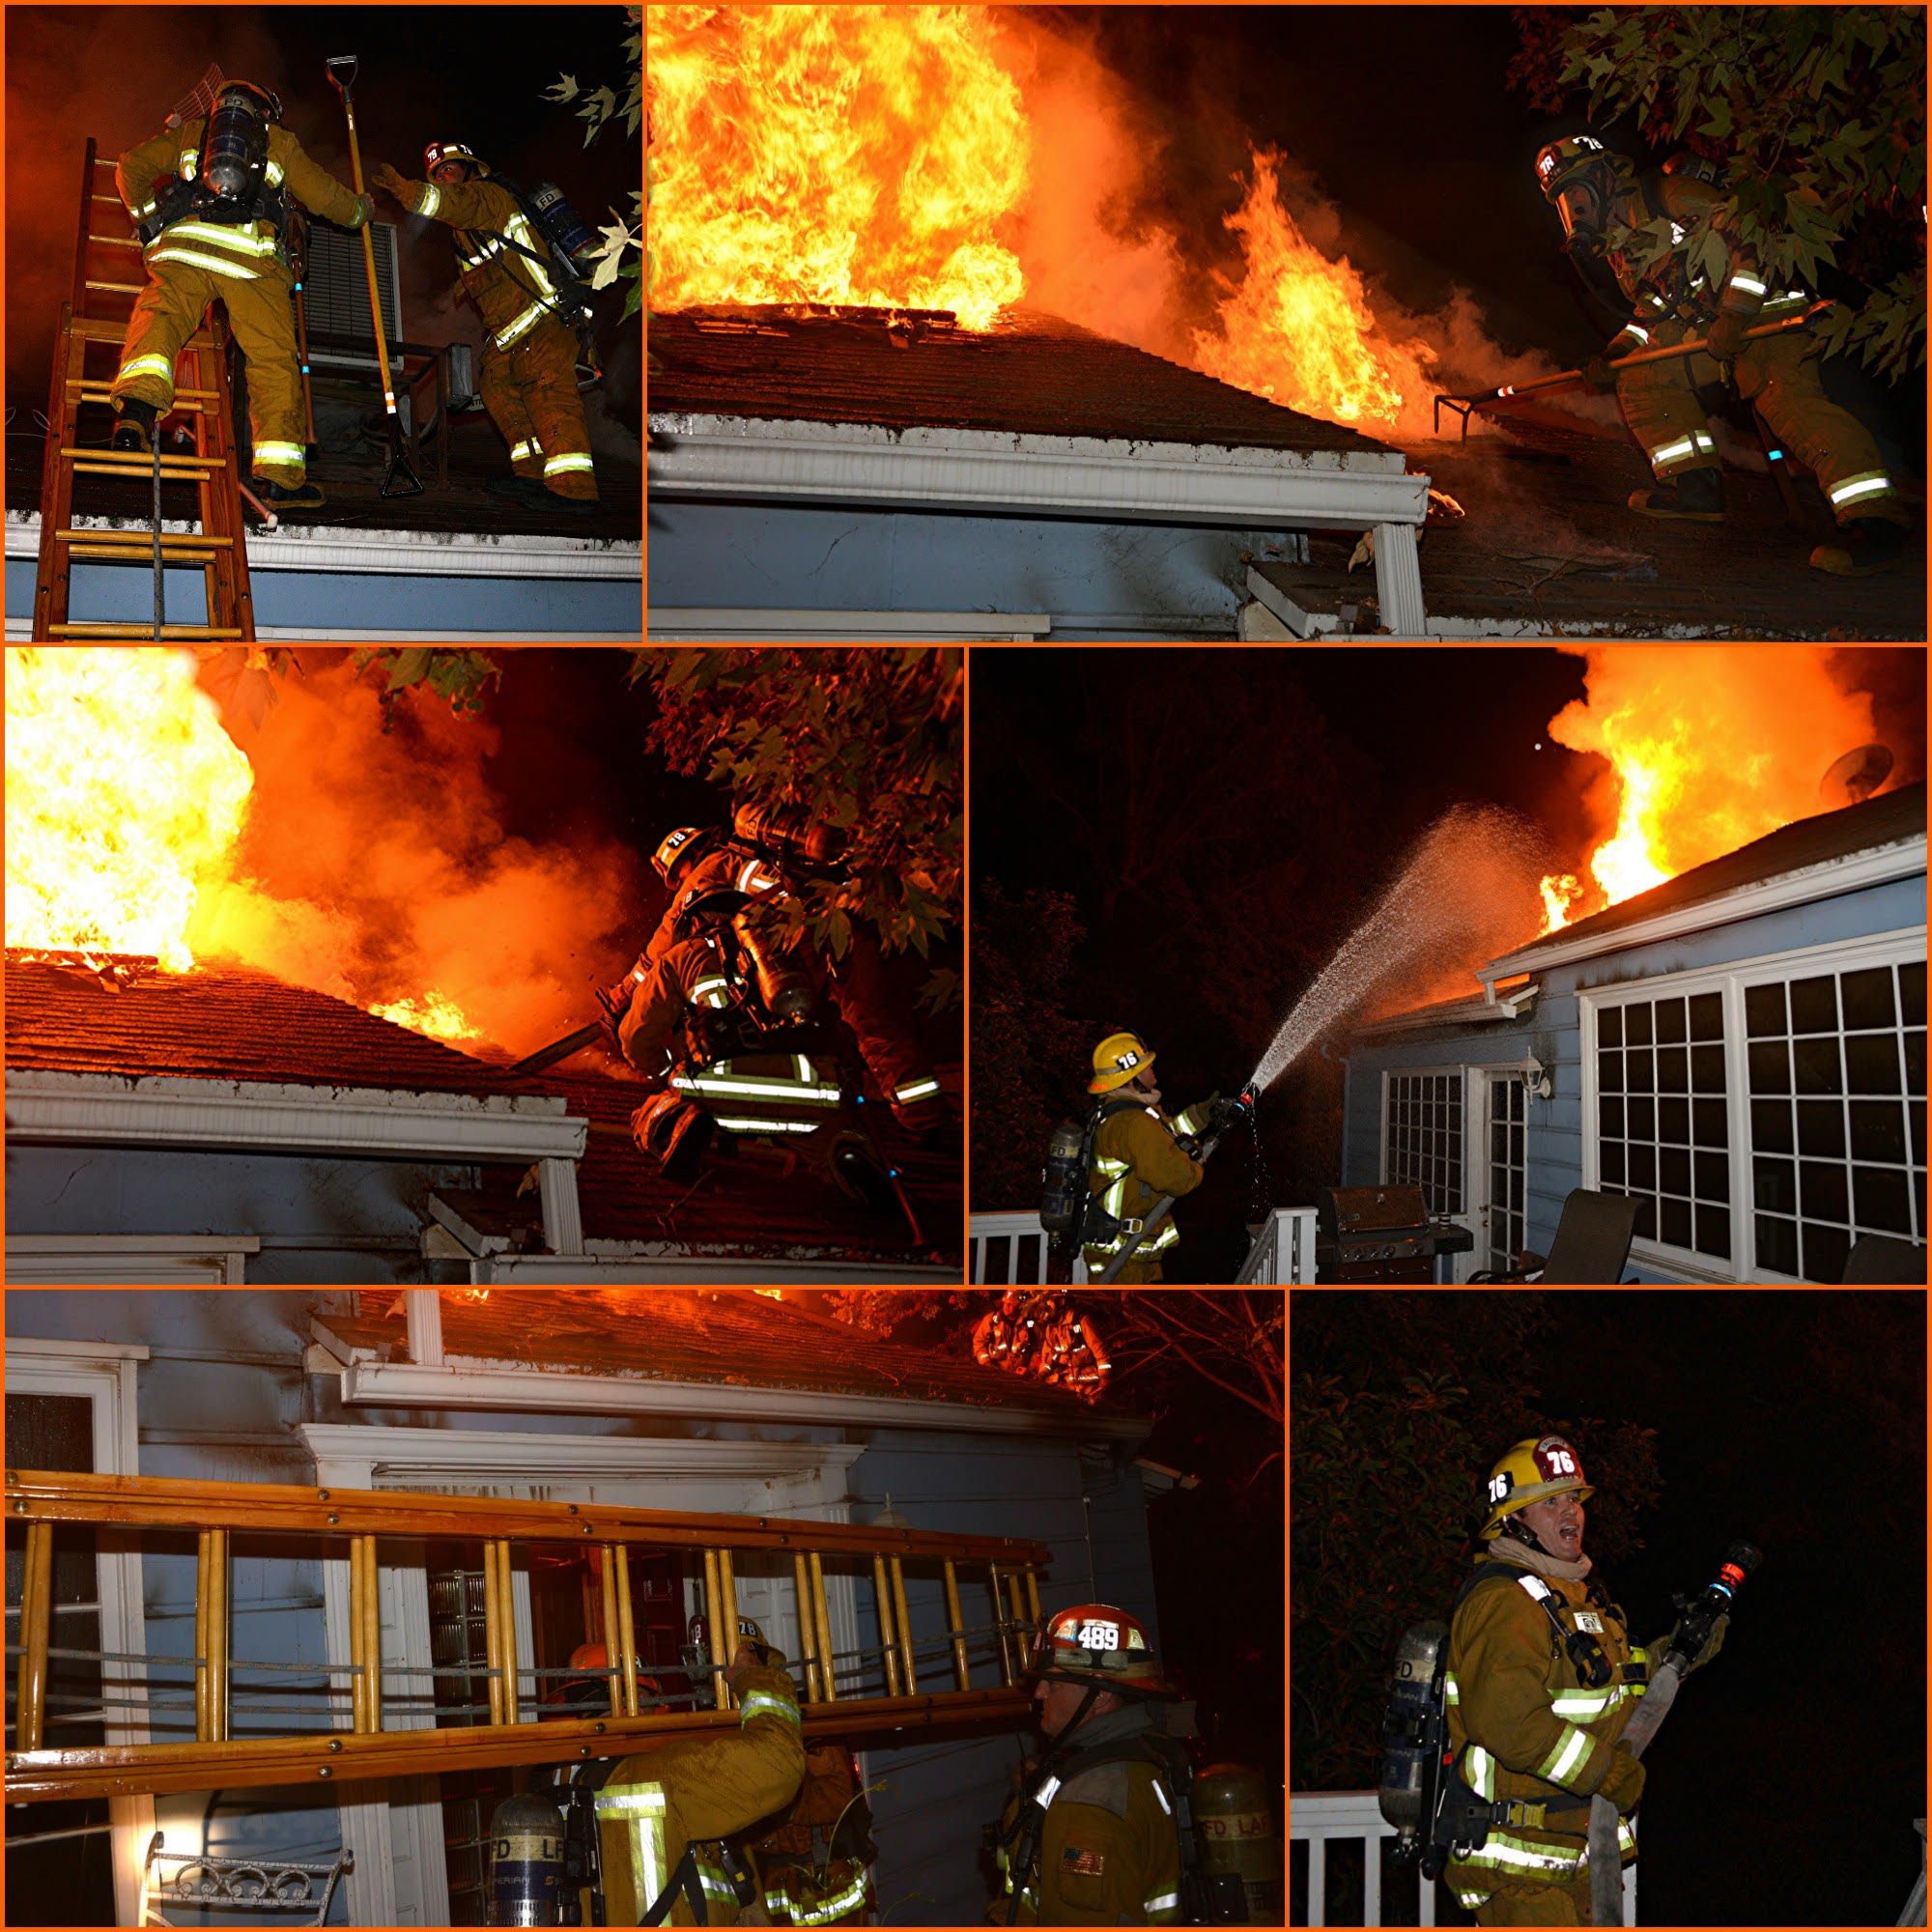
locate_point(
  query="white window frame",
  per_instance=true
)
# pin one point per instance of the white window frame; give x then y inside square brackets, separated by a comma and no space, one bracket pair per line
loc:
[132,1261]
[1476,1131]
[399,1878]
[1842,956]
[104,1374]
[1456,1071]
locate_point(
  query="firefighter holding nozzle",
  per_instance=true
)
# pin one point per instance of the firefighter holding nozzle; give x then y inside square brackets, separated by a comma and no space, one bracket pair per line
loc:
[1541,1688]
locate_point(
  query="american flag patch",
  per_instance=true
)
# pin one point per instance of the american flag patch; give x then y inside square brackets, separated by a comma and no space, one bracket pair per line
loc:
[1077,1858]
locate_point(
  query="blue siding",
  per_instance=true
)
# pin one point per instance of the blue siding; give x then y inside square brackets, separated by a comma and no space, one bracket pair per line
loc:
[1097,581]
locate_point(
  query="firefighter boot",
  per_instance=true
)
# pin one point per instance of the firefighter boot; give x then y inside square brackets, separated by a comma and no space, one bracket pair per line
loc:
[1692,496]
[136,429]
[281,497]
[1863,548]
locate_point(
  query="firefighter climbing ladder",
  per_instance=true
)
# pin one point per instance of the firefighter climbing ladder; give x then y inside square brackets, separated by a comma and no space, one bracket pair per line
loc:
[833,1684]
[94,321]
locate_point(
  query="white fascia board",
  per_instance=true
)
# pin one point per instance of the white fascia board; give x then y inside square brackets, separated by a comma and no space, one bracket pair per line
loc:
[670,625]
[1830,878]
[464,1382]
[1108,478]
[616,1264]
[1473,1011]
[389,552]
[116,1110]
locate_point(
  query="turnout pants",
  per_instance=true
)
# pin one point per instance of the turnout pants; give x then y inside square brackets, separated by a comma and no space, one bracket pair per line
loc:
[530,391]
[1537,1904]
[1779,376]
[169,310]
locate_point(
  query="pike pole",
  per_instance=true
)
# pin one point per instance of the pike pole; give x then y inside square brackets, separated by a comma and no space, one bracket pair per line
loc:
[342,77]
[1693,1633]
[1464,406]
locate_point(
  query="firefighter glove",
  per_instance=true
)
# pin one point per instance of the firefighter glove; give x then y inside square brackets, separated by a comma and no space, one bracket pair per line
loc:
[393,184]
[1725,337]
[1623,1783]
[1599,375]
[1713,1644]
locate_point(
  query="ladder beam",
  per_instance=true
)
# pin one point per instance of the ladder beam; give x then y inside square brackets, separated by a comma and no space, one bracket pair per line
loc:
[904,1623]
[882,1595]
[821,1619]
[36,1615]
[118,1771]
[955,1628]
[714,1629]
[627,1637]
[171,1502]
[727,1592]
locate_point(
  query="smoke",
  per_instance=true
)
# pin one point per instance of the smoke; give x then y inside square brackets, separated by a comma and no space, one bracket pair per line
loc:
[374,867]
[1467,891]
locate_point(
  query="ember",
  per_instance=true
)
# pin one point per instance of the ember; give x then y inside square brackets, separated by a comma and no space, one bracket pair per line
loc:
[1708,749]
[839,155]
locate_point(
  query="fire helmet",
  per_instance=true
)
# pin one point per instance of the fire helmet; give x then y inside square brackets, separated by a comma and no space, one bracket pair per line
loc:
[677,849]
[1581,178]
[438,151]
[1095,1643]
[589,1688]
[1117,1059]
[265,102]
[1536,1467]
[768,1654]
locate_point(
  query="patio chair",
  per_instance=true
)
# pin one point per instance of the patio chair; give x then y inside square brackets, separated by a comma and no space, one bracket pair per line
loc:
[1592,1244]
[1883,1258]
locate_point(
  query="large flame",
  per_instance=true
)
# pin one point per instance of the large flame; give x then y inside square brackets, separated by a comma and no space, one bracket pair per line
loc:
[1709,748]
[124,797]
[845,154]
[1299,328]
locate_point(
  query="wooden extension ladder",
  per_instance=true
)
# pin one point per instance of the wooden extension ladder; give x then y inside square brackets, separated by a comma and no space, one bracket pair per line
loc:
[95,320]
[837,1688]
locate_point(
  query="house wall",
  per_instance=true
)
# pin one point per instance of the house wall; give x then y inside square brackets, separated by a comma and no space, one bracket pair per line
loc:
[319,1219]
[1097,581]
[1552,1034]
[221,1397]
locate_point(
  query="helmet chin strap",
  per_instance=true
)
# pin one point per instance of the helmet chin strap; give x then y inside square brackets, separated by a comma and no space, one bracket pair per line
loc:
[1079,1717]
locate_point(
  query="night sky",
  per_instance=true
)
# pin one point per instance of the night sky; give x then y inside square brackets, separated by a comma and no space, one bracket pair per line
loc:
[427,74]
[1339,758]
[1782,1788]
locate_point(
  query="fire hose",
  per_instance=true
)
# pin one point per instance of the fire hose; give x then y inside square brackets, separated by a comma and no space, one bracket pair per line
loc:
[1465,406]
[1243,1103]
[1693,1634]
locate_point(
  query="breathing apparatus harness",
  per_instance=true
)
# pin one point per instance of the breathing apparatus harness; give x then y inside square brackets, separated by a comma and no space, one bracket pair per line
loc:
[225,179]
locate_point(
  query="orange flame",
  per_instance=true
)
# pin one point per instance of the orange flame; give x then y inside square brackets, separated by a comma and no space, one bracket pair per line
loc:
[124,798]
[1709,748]
[435,1014]
[1299,328]
[857,156]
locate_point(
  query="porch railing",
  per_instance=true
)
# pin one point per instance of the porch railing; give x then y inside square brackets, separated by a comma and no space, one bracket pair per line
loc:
[1283,1249]
[1318,1818]
[1012,1248]
[837,1688]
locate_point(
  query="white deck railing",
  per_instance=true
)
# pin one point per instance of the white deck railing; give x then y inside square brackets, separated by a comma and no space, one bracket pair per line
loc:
[1012,1248]
[1321,1817]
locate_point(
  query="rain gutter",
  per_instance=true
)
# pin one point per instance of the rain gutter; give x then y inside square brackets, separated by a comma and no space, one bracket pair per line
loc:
[747,458]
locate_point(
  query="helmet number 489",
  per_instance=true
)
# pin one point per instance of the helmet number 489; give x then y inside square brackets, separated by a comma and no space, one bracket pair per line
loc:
[1099,1636]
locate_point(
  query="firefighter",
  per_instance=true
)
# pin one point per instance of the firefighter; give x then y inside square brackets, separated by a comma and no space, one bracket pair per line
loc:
[662,1816]
[210,203]
[1090,1836]
[693,854]
[529,358]
[814,1862]
[1605,205]
[1139,1155]
[1542,1679]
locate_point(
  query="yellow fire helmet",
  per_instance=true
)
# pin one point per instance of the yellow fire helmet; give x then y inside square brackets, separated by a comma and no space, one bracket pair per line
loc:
[1117,1059]
[1531,1469]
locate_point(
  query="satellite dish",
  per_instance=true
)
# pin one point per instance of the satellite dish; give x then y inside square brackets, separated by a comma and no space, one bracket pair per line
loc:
[1855,777]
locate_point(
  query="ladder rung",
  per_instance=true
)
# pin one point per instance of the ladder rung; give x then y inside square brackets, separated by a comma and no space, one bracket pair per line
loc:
[118,459]
[190,401]
[117,288]
[136,553]
[72,536]
[143,631]
[101,162]
[114,198]
[170,476]
[113,241]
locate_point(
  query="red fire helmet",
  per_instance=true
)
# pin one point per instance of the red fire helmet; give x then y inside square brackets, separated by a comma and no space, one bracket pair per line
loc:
[1095,1643]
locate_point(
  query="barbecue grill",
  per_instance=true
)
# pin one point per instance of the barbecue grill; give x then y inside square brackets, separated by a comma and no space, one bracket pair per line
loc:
[1381,1234]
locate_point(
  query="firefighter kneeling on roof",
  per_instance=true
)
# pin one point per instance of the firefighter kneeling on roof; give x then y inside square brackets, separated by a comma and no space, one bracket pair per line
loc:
[1541,1679]
[211,206]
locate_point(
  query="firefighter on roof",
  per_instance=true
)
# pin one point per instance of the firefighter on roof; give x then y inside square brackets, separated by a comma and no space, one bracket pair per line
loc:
[1605,205]
[209,199]
[1091,1837]
[529,355]
[1543,1678]
[1139,1155]
[662,1815]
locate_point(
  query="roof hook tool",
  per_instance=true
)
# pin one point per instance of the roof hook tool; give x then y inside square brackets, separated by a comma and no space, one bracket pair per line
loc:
[1693,1633]
[1241,1108]
[342,77]
[1463,406]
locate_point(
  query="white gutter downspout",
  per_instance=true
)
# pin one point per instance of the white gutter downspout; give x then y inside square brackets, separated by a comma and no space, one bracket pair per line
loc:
[751,459]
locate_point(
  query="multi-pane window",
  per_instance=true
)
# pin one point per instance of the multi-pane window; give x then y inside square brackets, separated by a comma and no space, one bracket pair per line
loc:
[1837,1114]
[1423,1137]
[1508,1098]
[1662,1135]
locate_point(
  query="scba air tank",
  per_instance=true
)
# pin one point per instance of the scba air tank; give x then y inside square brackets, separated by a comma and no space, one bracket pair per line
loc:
[525,1860]
[1063,1181]
[235,149]
[1235,1828]
[1407,1741]
[563,228]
